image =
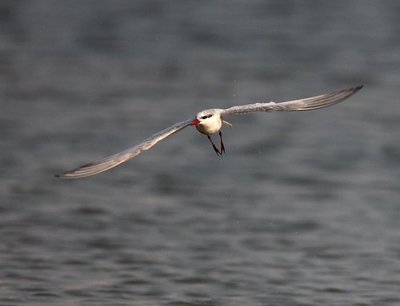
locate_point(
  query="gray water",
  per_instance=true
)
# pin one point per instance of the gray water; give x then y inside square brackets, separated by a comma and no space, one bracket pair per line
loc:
[302,210]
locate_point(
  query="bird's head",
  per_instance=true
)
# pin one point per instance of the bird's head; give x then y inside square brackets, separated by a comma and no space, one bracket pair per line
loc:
[202,117]
[205,116]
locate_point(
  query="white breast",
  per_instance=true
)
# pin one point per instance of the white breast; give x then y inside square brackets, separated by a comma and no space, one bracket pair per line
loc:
[209,126]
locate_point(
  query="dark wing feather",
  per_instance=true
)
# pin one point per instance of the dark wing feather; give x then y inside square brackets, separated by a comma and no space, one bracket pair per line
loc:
[306,104]
[117,159]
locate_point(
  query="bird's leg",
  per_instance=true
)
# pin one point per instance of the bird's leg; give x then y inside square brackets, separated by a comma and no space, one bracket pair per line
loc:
[214,147]
[222,143]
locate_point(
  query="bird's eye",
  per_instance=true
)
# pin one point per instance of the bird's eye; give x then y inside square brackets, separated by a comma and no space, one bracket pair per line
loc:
[206,116]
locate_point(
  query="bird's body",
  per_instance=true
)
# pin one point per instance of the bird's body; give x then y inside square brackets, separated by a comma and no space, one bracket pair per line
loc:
[209,122]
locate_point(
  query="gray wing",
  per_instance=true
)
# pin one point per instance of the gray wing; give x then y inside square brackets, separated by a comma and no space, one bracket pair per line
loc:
[306,104]
[116,159]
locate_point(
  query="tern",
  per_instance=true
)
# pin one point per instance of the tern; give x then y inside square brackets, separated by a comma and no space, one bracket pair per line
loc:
[209,122]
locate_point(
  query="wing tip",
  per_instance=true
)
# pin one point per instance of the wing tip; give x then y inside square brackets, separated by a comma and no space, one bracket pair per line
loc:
[72,174]
[357,87]
[65,175]
[352,90]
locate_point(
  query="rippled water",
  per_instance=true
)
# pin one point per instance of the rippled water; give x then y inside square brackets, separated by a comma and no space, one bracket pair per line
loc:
[302,210]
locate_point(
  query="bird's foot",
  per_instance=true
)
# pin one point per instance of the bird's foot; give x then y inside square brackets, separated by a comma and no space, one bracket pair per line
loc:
[222,151]
[216,150]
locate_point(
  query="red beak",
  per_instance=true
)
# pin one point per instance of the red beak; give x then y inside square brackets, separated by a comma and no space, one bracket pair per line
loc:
[195,122]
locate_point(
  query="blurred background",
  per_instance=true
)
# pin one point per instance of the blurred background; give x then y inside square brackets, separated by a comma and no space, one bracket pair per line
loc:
[302,210]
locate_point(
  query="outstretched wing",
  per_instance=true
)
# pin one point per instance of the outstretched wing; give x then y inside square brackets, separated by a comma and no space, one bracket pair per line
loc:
[306,104]
[116,159]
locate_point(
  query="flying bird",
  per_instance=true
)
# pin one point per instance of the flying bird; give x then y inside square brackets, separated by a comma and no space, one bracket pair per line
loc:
[209,122]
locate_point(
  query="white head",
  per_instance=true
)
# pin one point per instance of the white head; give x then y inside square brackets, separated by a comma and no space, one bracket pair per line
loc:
[208,121]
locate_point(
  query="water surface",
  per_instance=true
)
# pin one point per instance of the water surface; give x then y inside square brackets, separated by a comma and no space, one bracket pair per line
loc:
[302,210]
